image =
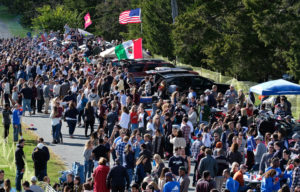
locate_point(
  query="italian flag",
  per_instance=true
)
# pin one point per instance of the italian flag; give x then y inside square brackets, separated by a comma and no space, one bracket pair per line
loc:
[131,49]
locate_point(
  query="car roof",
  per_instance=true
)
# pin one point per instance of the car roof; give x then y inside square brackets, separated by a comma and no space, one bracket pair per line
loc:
[166,70]
[170,75]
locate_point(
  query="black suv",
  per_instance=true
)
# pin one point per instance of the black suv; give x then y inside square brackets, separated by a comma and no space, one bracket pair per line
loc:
[180,80]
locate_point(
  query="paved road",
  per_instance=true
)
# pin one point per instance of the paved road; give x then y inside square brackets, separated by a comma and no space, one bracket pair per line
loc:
[71,150]
[4,31]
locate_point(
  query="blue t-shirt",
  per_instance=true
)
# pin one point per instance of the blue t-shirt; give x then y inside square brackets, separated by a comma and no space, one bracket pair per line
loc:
[172,186]
[278,173]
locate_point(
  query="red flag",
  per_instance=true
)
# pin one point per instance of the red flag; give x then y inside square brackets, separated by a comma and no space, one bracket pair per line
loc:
[43,37]
[88,21]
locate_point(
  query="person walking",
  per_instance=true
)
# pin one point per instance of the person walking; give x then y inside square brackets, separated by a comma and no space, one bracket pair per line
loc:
[171,185]
[89,118]
[26,93]
[56,126]
[88,159]
[39,158]
[20,164]
[71,117]
[117,178]
[140,172]
[183,180]
[99,175]
[208,163]
[6,120]
[17,113]
[47,96]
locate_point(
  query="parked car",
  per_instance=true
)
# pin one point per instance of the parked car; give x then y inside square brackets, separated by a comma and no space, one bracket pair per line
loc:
[180,80]
[139,67]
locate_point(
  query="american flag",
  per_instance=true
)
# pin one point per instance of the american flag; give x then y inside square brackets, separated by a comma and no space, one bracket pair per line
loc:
[130,16]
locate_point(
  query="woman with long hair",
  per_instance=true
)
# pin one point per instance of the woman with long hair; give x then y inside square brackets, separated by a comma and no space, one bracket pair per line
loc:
[99,175]
[140,173]
[56,126]
[89,118]
[88,159]
[71,117]
[159,165]
[162,179]
[268,182]
[251,145]
[234,155]
[7,186]
[234,168]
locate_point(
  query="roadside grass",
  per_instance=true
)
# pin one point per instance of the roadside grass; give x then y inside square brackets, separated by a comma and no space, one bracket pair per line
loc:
[12,22]
[7,157]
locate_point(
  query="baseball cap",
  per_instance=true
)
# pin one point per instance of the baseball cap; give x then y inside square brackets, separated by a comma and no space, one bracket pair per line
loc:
[243,166]
[169,174]
[40,145]
[258,138]
[33,179]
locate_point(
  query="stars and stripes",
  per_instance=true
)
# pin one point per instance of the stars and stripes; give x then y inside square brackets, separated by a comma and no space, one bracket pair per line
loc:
[130,16]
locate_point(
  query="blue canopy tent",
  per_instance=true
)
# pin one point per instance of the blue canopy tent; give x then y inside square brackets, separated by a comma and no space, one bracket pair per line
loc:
[276,87]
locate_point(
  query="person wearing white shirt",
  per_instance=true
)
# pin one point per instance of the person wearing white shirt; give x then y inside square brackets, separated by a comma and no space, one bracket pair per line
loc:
[56,88]
[123,98]
[150,127]
[125,118]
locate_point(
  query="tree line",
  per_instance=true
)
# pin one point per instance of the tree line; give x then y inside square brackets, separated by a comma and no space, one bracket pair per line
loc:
[252,40]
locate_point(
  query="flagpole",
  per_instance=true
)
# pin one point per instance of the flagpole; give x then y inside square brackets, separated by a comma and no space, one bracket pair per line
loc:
[141,21]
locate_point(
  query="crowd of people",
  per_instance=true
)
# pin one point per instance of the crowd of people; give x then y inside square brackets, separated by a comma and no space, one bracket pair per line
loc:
[152,147]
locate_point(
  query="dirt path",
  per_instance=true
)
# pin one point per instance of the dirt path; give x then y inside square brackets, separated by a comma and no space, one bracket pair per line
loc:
[4,31]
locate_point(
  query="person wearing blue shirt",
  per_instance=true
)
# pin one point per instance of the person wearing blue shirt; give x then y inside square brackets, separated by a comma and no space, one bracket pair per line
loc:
[268,184]
[230,184]
[171,186]
[279,175]
[17,113]
[251,145]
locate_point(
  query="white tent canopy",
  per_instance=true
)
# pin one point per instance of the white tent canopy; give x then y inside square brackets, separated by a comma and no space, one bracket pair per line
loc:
[84,33]
[110,53]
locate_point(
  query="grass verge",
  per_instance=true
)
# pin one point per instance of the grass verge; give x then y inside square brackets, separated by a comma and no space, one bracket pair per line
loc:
[7,158]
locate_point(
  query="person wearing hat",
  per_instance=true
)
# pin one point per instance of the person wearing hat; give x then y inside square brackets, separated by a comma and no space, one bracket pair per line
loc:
[296,148]
[170,184]
[20,164]
[183,179]
[39,158]
[259,151]
[239,177]
[265,160]
[33,186]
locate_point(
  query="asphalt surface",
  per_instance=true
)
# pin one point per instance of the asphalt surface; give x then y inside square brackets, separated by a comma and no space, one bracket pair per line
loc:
[72,148]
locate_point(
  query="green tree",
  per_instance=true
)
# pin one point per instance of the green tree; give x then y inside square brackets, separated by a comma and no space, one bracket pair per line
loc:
[54,19]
